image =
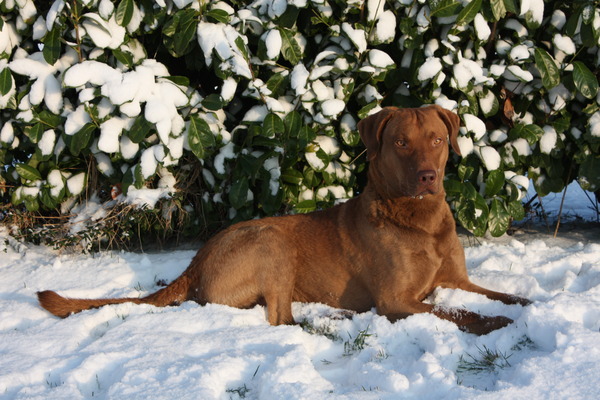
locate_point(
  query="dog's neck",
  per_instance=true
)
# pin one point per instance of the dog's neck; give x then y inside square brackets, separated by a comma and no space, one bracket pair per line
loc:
[422,213]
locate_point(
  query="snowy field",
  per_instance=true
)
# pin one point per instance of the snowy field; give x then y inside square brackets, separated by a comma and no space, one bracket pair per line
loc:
[552,351]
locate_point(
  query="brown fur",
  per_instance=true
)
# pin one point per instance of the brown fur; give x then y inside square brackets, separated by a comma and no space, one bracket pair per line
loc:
[388,248]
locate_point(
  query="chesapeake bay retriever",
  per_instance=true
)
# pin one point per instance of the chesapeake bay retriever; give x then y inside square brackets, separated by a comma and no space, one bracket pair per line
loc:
[387,248]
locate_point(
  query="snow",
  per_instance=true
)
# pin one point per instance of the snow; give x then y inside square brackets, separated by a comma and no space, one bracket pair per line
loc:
[430,68]
[475,125]
[104,33]
[76,120]
[522,146]
[226,152]
[356,36]
[559,19]
[7,133]
[75,184]
[273,43]
[46,87]
[221,38]
[55,180]
[564,44]
[595,124]
[520,52]
[482,28]
[47,141]
[217,352]
[535,8]
[467,70]
[380,59]
[465,144]
[332,107]
[328,144]
[299,78]
[548,139]
[514,71]
[110,131]
[385,28]
[489,156]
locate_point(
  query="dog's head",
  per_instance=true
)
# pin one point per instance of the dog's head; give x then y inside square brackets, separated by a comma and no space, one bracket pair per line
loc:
[408,149]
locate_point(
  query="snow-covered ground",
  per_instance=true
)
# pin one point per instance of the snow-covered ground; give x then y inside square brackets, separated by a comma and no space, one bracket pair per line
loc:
[552,351]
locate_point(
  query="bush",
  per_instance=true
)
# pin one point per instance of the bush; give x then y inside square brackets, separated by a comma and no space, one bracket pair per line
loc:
[231,110]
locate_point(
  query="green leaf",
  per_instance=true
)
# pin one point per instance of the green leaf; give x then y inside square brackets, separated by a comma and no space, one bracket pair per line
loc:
[124,12]
[51,50]
[293,123]
[218,15]
[589,173]
[241,45]
[444,8]
[123,57]
[213,102]
[277,84]
[34,132]
[494,182]
[292,176]
[469,191]
[49,119]
[532,133]
[289,17]
[238,193]
[185,31]
[499,219]
[452,186]
[589,37]
[179,80]
[585,80]
[305,206]
[81,139]
[498,9]
[139,130]
[47,200]
[199,136]
[516,210]
[289,48]
[511,6]
[31,203]
[5,81]
[272,125]
[547,66]
[27,172]
[469,13]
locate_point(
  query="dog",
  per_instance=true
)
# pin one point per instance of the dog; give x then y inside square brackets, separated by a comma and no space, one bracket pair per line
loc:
[387,248]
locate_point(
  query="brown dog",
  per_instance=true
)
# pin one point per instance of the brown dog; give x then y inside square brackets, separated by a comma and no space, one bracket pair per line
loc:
[388,248]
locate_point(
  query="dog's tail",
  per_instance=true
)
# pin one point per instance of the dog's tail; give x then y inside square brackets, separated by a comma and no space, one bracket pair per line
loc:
[174,294]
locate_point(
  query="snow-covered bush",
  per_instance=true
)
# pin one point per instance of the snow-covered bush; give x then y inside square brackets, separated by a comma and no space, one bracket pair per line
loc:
[234,109]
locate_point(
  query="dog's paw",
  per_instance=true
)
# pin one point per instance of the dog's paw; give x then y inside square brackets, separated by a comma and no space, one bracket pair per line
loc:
[486,325]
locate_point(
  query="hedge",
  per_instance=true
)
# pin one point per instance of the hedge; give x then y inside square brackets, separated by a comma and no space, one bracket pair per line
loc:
[206,112]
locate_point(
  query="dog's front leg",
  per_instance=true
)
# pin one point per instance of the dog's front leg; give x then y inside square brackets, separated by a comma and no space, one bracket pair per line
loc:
[503,297]
[466,321]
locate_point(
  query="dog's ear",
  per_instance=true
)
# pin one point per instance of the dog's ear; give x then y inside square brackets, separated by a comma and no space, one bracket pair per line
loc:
[372,127]
[452,122]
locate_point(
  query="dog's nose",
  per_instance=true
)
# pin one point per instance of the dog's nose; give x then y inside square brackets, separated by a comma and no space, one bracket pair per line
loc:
[427,177]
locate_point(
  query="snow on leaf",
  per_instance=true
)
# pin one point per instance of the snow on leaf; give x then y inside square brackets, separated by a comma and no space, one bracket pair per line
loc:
[103,33]
[221,38]
[357,36]
[46,87]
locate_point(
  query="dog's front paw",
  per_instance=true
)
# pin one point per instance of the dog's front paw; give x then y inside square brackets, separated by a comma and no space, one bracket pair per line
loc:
[486,325]
[520,300]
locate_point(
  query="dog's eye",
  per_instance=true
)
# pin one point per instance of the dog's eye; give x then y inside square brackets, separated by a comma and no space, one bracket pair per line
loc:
[401,143]
[438,141]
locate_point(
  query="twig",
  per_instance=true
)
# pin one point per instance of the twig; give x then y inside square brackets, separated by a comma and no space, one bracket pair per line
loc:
[562,201]
[544,215]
